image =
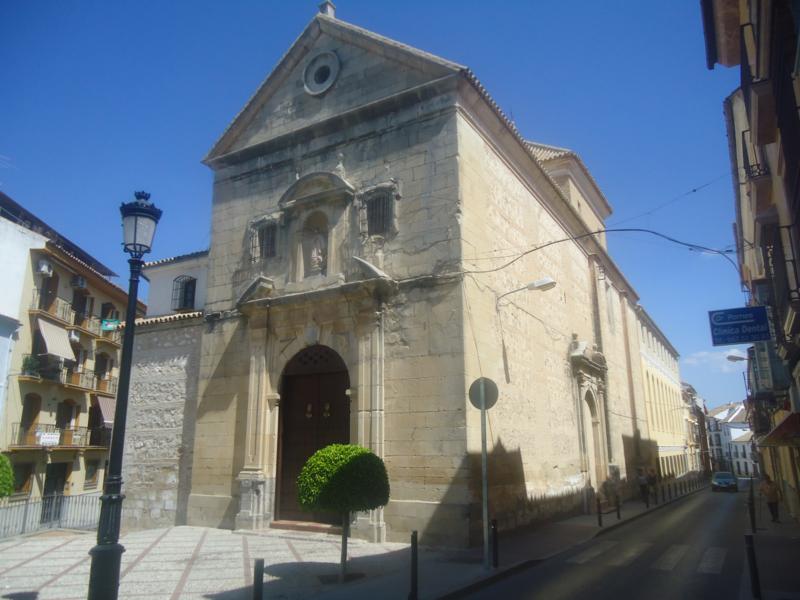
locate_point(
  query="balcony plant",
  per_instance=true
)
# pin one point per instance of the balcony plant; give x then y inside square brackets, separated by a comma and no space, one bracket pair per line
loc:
[31,366]
[343,478]
[6,477]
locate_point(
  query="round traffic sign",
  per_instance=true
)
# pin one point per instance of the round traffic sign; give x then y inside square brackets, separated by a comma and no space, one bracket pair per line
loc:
[490,392]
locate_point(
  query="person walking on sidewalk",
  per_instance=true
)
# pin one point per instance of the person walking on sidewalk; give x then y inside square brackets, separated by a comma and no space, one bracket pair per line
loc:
[772,494]
[644,485]
[652,480]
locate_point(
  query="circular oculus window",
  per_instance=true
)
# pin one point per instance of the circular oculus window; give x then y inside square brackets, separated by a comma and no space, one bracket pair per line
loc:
[321,72]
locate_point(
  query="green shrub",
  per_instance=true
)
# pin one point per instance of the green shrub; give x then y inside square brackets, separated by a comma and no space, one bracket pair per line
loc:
[343,478]
[6,477]
[30,365]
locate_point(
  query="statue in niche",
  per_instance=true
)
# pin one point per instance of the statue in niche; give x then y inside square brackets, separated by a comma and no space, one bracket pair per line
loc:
[317,256]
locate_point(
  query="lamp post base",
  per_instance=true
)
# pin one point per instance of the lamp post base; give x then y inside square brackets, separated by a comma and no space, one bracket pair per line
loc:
[104,576]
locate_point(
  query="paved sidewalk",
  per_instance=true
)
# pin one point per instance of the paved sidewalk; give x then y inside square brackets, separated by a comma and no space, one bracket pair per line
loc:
[189,563]
[777,548]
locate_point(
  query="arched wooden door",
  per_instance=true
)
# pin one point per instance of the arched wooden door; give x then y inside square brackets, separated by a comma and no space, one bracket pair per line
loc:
[315,412]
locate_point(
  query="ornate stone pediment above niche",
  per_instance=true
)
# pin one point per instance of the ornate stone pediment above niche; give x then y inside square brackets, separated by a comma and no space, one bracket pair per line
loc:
[260,288]
[585,358]
[314,189]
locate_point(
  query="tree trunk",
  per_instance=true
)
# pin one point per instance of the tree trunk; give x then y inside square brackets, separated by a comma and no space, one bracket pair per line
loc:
[345,535]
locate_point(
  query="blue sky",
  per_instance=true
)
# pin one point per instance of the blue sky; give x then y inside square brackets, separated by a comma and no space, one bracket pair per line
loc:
[103,98]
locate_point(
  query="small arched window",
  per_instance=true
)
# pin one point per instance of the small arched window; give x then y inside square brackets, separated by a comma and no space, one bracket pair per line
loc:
[183,293]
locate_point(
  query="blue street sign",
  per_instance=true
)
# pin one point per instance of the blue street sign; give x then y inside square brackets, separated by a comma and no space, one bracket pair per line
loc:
[739,325]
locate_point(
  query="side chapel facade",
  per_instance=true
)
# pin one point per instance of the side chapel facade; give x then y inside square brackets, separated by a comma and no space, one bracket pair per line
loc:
[372,207]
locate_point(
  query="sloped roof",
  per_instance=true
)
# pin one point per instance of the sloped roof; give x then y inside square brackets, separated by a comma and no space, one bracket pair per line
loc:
[745,436]
[546,152]
[733,412]
[143,322]
[11,210]
[174,259]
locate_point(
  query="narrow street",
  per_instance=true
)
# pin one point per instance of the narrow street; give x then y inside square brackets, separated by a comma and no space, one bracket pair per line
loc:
[691,549]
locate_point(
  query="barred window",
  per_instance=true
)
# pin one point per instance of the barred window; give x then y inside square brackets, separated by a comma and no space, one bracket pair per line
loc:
[379,214]
[183,289]
[263,242]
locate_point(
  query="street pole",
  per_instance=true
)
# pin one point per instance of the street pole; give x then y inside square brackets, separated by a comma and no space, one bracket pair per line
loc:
[484,478]
[107,554]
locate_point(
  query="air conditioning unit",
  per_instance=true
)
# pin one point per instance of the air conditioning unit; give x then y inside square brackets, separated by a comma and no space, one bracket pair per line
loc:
[45,268]
[79,282]
[74,336]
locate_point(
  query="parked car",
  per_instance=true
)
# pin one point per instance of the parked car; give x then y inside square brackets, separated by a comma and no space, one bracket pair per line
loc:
[725,481]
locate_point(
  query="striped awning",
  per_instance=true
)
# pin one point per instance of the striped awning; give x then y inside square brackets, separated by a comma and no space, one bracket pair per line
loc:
[107,408]
[56,340]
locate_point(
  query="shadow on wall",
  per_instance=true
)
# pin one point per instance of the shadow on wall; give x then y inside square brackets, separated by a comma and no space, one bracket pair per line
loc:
[186,456]
[458,522]
[639,453]
[225,385]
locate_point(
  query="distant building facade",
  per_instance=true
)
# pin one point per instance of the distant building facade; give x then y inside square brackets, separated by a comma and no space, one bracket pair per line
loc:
[731,440]
[760,38]
[60,362]
[666,411]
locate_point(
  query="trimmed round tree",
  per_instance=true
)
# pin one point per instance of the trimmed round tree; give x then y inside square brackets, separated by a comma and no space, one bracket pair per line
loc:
[343,478]
[6,477]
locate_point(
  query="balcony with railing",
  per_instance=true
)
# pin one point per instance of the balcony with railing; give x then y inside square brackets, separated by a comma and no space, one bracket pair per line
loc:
[44,367]
[52,369]
[45,436]
[53,306]
[87,323]
[112,337]
[79,377]
[105,384]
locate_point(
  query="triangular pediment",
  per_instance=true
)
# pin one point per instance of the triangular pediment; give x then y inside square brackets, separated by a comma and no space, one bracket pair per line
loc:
[261,287]
[363,67]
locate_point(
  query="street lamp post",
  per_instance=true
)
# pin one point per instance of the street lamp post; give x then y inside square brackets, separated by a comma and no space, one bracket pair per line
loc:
[139,219]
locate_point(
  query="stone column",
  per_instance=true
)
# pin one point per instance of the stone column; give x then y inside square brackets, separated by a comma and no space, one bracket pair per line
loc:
[376,523]
[252,478]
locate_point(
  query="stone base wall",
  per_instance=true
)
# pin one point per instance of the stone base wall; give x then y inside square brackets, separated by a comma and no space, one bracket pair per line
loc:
[160,427]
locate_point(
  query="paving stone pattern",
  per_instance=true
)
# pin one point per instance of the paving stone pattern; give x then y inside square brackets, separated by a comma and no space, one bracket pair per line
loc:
[189,563]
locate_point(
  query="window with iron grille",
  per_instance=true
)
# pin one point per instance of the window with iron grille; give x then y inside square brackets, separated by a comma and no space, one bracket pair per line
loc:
[380,213]
[183,289]
[263,242]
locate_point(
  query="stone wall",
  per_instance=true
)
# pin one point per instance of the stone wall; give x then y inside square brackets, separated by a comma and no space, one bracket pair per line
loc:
[159,438]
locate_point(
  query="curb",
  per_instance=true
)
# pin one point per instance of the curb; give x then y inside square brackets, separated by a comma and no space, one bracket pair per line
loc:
[503,573]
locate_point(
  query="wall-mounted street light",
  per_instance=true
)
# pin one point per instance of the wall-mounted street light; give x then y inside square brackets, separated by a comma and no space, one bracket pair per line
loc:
[139,220]
[542,285]
[736,358]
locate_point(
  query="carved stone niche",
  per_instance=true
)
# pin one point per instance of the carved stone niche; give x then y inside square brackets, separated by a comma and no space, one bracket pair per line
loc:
[313,209]
[589,369]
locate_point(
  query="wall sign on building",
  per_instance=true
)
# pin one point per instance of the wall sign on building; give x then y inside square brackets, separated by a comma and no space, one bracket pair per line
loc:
[739,325]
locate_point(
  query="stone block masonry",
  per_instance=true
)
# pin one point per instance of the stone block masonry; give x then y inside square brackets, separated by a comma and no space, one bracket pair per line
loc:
[159,439]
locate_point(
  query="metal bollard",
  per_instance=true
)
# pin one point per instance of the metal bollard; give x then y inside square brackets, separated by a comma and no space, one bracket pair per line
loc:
[414,593]
[599,514]
[619,514]
[755,581]
[751,508]
[669,490]
[663,494]
[258,579]
[495,544]
[647,499]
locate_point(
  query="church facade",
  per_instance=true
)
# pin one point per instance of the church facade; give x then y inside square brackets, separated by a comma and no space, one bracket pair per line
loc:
[376,222]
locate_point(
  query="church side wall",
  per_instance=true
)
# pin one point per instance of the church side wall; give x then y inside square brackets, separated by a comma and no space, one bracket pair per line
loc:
[160,424]
[540,430]
[523,345]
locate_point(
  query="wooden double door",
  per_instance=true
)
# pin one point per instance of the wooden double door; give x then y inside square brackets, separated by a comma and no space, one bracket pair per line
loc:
[315,412]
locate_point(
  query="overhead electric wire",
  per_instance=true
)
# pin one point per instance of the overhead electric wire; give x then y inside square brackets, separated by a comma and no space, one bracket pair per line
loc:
[689,245]
[672,200]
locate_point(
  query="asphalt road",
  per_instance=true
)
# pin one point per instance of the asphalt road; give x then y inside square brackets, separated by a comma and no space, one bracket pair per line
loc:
[693,548]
